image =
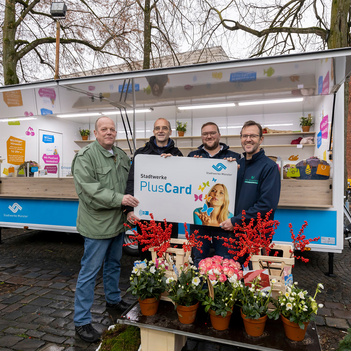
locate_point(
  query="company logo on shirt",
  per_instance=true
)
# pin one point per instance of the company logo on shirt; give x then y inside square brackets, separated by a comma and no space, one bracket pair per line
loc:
[219,166]
[251,180]
[15,208]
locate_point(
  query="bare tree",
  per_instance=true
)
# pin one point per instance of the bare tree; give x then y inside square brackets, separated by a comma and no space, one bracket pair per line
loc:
[93,34]
[279,26]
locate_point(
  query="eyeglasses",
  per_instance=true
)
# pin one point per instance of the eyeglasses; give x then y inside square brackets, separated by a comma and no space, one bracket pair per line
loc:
[208,134]
[161,128]
[247,136]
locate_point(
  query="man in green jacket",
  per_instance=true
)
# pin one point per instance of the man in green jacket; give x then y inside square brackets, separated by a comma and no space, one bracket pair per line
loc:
[100,172]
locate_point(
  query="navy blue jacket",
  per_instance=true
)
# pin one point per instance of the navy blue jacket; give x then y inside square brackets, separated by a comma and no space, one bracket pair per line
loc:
[257,187]
[224,153]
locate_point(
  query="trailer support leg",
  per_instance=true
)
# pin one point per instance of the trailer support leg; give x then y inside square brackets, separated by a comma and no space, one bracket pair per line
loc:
[330,273]
[0,236]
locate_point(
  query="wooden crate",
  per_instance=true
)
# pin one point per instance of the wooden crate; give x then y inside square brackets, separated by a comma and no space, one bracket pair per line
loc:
[178,256]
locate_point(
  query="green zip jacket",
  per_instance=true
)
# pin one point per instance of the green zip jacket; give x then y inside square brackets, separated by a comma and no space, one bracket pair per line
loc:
[100,179]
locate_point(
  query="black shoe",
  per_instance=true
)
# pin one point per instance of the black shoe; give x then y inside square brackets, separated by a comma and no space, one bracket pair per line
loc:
[121,306]
[88,333]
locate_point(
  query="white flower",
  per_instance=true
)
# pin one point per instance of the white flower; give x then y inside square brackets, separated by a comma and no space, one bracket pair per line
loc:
[289,306]
[263,294]
[321,285]
[320,305]
[213,282]
[216,271]
[301,295]
[153,270]
[287,294]
[135,270]
[233,278]
[170,280]
[273,281]
[190,260]
[196,281]
[304,308]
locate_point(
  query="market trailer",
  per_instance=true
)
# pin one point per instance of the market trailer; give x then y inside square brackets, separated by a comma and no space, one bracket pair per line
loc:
[275,91]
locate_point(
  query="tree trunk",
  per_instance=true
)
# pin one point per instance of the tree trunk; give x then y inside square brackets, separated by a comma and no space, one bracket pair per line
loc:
[339,30]
[9,53]
[147,35]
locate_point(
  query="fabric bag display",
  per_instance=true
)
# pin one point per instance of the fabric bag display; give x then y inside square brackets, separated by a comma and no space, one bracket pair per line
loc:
[313,168]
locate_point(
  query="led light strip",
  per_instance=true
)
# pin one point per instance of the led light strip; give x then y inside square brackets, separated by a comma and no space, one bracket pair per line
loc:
[17,119]
[196,107]
[95,114]
[264,102]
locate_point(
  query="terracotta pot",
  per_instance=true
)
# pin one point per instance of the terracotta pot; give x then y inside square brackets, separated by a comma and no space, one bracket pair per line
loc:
[187,314]
[305,128]
[85,137]
[219,322]
[293,330]
[180,133]
[254,327]
[148,307]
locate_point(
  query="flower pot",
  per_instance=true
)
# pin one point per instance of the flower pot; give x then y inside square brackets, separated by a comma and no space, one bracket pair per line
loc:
[187,314]
[148,307]
[219,322]
[85,137]
[305,128]
[254,327]
[293,330]
[180,133]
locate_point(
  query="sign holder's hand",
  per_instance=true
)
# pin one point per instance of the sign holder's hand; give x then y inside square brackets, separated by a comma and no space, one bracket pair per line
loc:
[129,200]
[227,225]
[132,218]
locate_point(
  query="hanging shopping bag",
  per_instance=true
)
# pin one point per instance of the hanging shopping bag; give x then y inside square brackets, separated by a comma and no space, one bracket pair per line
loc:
[323,170]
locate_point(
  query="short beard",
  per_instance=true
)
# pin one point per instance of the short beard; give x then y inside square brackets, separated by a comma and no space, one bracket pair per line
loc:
[215,145]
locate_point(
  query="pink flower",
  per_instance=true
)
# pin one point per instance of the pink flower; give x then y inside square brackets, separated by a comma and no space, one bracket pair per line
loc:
[222,278]
[212,277]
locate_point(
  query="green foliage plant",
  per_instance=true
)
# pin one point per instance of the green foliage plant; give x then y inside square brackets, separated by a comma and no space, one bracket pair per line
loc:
[148,279]
[84,132]
[306,121]
[121,337]
[189,288]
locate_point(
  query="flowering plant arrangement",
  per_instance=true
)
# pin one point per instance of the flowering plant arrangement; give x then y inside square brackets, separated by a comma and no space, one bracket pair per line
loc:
[254,301]
[84,132]
[296,305]
[188,289]
[224,278]
[148,279]
[306,121]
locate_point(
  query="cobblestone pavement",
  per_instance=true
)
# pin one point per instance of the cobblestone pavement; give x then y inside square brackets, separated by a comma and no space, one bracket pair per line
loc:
[42,268]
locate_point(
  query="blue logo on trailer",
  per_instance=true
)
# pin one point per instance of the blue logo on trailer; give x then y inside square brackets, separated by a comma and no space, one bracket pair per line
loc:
[320,85]
[137,88]
[48,138]
[249,76]
[319,139]
[45,111]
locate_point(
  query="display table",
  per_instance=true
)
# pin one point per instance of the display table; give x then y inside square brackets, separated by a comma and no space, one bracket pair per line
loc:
[163,332]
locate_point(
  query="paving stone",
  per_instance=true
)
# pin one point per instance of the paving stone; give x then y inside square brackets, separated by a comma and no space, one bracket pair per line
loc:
[11,308]
[55,272]
[9,340]
[46,310]
[21,290]
[319,320]
[60,304]
[43,292]
[326,312]
[29,298]
[56,339]
[58,285]
[29,309]
[70,333]
[334,305]
[15,280]
[43,283]
[336,323]
[59,323]
[28,344]
[13,299]
[2,306]
[59,297]
[27,325]
[41,301]
[30,282]
[14,315]
[35,333]
[45,277]
[50,330]
[342,314]
[32,275]
[15,331]
[43,320]
[27,318]
[7,265]
[97,309]
[59,291]
[60,313]
[31,291]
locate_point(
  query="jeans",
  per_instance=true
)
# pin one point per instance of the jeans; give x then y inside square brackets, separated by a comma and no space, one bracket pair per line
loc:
[96,253]
[213,232]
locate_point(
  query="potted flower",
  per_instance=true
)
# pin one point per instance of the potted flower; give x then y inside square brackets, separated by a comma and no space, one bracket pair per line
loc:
[223,276]
[84,133]
[306,123]
[181,128]
[254,306]
[187,292]
[147,283]
[23,168]
[296,308]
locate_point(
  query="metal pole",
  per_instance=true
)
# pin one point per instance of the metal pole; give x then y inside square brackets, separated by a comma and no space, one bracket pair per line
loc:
[134,117]
[57,50]
[330,273]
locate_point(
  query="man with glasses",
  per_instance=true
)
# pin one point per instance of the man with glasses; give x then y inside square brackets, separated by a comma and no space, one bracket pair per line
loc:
[159,144]
[258,180]
[211,148]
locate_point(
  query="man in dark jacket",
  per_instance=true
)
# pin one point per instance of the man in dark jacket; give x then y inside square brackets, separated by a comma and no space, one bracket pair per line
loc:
[211,148]
[159,144]
[258,179]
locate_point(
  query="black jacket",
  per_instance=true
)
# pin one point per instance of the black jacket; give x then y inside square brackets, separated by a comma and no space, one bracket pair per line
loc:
[150,148]
[257,187]
[224,153]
